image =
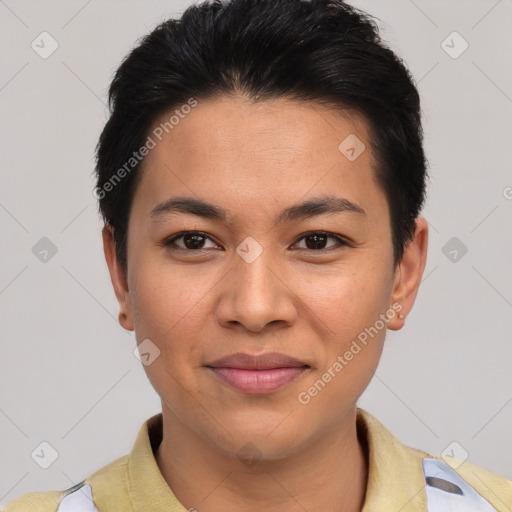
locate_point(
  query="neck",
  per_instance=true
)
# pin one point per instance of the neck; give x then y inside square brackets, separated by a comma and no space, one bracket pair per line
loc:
[330,473]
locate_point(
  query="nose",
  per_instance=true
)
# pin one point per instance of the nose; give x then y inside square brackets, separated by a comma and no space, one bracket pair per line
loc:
[256,294]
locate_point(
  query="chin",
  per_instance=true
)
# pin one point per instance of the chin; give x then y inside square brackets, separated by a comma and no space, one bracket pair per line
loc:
[262,441]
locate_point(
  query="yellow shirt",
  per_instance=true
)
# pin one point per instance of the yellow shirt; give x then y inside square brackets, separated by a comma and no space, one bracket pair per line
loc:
[396,480]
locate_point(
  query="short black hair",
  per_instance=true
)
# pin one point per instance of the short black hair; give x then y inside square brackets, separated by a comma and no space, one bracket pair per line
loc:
[324,51]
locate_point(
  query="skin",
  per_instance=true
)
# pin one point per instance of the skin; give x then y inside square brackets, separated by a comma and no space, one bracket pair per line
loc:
[196,306]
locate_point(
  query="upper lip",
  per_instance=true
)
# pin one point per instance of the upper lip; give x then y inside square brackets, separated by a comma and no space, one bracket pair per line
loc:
[266,361]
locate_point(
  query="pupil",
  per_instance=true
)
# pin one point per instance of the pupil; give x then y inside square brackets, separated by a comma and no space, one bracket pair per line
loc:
[315,244]
[195,241]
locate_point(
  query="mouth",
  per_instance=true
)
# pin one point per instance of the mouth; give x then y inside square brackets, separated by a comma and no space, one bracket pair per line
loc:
[258,375]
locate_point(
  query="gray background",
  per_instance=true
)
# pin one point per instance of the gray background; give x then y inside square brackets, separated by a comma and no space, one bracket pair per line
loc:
[68,375]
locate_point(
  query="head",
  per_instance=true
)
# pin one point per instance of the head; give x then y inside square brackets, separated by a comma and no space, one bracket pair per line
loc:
[287,137]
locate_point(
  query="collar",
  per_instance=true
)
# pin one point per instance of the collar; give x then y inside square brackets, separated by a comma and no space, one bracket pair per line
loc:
[395,474]
[395,479]
[146,485]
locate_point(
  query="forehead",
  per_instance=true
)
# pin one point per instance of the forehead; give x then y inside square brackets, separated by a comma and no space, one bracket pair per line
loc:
[239,126]
[231,150]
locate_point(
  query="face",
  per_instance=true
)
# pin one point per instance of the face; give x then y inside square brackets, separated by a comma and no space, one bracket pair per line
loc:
[291,255]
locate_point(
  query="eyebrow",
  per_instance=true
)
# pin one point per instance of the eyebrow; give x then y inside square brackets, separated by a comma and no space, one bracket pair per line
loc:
[305,210]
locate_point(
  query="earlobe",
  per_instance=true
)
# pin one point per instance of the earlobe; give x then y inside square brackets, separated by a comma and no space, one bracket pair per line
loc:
[118,278]
[409,273]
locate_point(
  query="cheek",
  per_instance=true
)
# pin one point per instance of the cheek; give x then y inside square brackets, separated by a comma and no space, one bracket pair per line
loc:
[165,299]
[161,309]
[348,305]
[168,307]
[346,300]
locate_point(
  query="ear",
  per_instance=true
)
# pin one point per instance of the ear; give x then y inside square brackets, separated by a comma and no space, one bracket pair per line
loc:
[408,274]
[118,278]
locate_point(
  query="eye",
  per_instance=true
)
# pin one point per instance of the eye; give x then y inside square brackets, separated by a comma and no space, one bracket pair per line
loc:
[191,241]
[316,240]
[196,240]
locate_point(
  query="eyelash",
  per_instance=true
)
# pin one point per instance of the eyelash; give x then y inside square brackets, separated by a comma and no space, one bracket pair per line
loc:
[170,241]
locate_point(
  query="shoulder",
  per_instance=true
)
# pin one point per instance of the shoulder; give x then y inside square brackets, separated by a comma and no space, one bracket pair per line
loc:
[449,479]
[405,478]
[41,501]
[82,497]
[495,488]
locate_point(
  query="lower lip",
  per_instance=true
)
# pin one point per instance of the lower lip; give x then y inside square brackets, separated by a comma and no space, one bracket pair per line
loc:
[257,382]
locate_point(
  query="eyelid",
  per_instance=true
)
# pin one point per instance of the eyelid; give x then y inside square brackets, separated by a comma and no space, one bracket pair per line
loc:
[340,239]
[170,240]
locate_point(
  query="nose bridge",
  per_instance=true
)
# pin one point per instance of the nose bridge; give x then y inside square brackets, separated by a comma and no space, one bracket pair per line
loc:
[255,295]
[254,279]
